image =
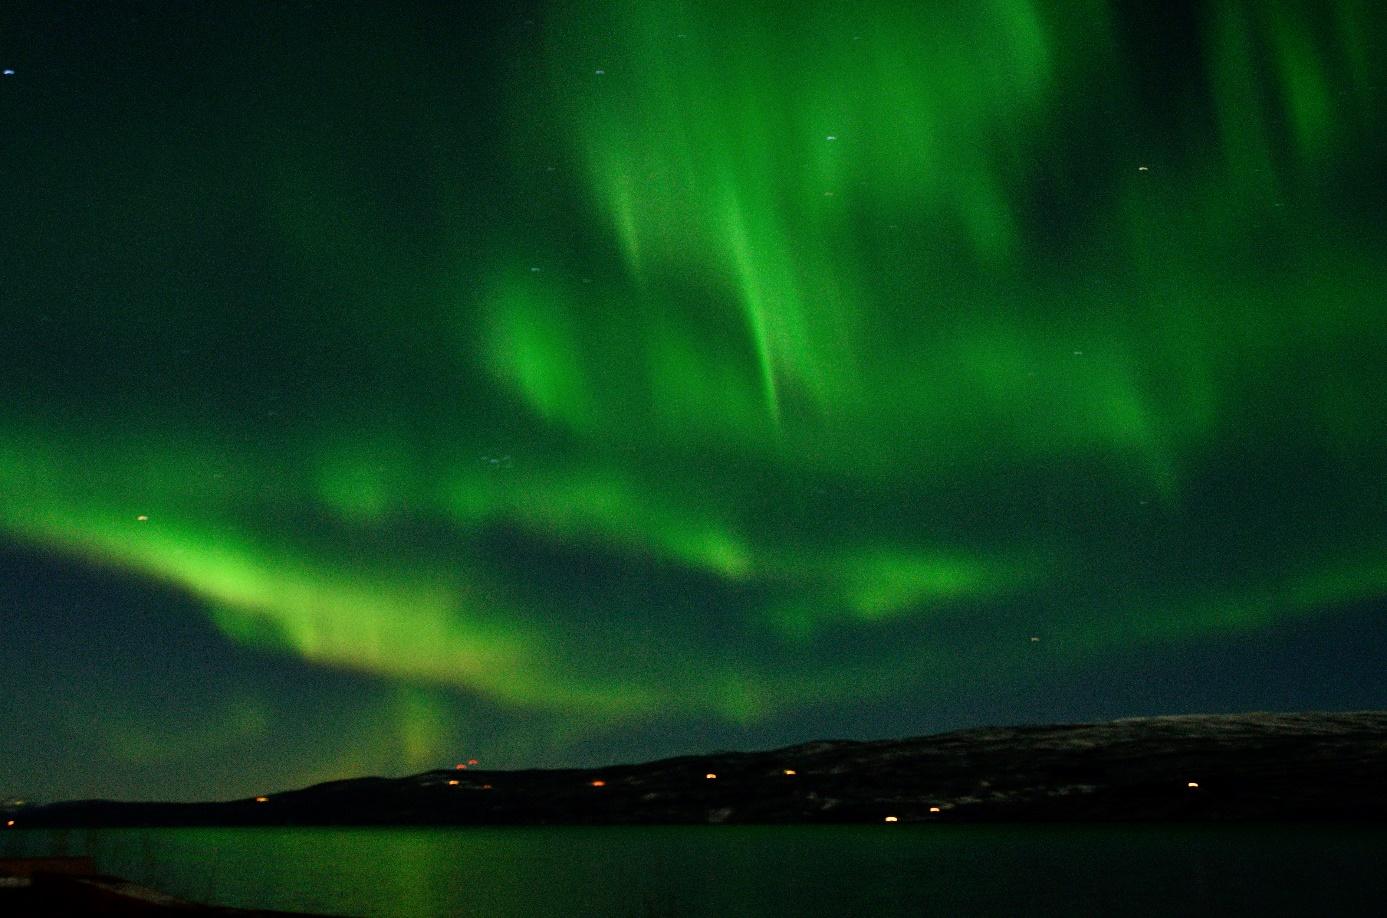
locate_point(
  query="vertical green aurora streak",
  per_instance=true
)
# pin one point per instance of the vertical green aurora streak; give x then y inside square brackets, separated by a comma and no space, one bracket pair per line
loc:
[812,334]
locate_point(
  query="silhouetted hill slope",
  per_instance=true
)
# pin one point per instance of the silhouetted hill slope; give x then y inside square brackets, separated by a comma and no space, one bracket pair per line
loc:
[1195,767]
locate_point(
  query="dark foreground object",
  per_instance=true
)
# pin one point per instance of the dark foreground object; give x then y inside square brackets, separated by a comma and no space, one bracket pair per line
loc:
[64,886]
[1274,767]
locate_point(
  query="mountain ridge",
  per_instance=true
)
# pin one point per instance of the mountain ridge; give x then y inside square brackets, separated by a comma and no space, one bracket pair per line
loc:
[1301,766]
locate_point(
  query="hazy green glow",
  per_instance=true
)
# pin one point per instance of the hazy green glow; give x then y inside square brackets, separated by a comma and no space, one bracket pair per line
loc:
[852,349]
[221,732]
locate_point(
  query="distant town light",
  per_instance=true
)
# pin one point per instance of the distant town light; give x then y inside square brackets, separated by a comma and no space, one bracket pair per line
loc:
[710,776]
[459,766]
[262,799]
[934,809]
[453,782]
[471,761]
[892,819]
[791,771]
[486,787]
[1193,784]
[598,783]
[9,823]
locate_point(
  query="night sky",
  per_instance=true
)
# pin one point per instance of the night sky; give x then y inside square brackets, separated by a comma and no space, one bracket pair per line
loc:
[599,380]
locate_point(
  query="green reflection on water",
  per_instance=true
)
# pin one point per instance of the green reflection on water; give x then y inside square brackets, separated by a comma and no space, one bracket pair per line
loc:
[753,870]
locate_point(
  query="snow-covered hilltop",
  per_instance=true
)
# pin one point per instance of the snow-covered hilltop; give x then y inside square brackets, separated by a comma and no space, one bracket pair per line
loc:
[1191,767]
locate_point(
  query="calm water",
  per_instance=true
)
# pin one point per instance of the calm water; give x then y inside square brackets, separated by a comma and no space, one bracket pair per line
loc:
[940,870]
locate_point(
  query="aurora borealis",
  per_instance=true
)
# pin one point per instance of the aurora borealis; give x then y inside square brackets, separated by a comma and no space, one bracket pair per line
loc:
[597,381]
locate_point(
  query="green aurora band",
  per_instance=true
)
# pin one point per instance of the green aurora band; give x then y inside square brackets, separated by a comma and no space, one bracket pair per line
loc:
[821,355]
